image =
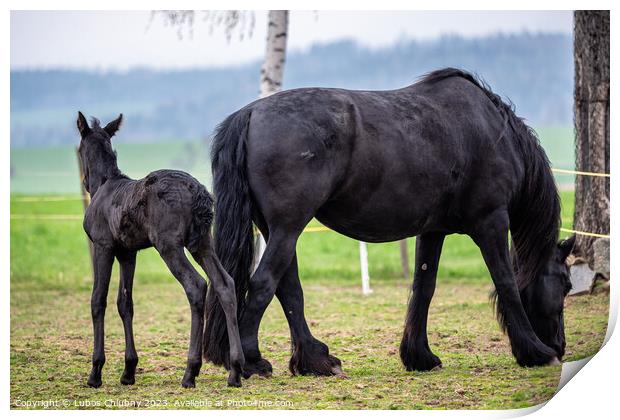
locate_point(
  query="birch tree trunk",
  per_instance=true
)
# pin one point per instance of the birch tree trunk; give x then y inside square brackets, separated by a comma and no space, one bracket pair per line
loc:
[271,76]
[591,53]
[275,54]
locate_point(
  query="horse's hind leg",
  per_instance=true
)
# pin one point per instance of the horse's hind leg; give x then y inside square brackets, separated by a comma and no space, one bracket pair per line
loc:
[224,287]
[310,356]
[492,237]
[414,349]
[195,288]
[103,259]
[124,303]
[274,263]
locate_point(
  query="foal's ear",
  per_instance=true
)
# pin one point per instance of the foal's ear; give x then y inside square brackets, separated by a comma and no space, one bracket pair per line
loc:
[113,126]
[82,125]
[566,246]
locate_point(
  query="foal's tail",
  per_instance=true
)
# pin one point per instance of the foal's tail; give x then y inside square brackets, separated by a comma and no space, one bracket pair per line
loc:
[233,227]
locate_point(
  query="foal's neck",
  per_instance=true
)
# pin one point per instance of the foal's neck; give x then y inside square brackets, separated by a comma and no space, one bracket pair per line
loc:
[101,169]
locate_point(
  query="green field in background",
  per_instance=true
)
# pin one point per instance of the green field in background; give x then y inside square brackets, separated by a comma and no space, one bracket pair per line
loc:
[55,170]
[51,337]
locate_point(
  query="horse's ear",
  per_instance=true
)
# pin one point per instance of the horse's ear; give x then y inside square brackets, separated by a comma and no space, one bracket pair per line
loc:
[566,247]
[113,126]
[82,125]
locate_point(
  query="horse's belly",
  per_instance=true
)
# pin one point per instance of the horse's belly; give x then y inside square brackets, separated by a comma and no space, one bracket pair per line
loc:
[389,211]
[377,225]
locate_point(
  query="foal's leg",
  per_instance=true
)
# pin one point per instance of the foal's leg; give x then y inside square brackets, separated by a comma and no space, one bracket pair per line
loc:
[224,287]
[103,259]
[124,303]
[278,256]
[414,349]
[310,356]
[492,238]
[195,288]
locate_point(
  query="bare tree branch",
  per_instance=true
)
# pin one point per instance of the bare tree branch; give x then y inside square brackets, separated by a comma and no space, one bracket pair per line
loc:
[232,21]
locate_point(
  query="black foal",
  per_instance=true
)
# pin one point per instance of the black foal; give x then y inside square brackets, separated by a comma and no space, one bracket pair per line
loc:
[169,210]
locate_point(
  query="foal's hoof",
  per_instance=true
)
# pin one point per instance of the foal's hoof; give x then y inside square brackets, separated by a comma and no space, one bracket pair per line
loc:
[261,368]
[128,380]
[94,382]
[554,362]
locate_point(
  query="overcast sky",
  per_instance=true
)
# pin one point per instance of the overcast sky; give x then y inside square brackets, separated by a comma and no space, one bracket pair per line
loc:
[121,40]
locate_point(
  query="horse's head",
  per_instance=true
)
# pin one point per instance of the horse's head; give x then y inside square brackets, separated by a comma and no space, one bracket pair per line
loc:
[97,158]
[543,298]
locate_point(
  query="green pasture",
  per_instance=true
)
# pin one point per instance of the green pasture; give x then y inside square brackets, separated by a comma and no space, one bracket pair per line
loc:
[54,170]
[51,338]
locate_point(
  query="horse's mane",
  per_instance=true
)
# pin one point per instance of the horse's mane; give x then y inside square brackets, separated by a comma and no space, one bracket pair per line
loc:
[95,124]
[535,211]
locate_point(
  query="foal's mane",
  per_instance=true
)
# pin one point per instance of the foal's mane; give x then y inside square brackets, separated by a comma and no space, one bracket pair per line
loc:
[108,162]
[535,211]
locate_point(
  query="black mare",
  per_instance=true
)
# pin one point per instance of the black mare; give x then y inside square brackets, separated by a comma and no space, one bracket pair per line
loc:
[169,210]
[444,155]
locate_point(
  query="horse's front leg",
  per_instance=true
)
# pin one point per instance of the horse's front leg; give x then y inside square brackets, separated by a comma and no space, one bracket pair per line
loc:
[491,236]
[414,349]
[124,303]
[103,259]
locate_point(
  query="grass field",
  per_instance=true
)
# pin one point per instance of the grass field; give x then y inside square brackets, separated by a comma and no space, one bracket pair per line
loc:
[55,170]
[51,337]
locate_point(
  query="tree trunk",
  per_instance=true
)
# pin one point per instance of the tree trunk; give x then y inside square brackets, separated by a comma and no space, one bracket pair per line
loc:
[271,76]
[591,52]
[273,67]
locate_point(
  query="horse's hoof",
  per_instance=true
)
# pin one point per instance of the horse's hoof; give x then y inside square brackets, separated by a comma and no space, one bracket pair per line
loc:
[337,371]
[437,368]
[235,383]
[554,362]
[423,362]
[94,382]
[315,360]
[261,368]
[190,383]
[125,380]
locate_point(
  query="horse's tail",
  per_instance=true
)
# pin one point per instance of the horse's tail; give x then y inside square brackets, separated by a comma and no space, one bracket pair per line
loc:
[535,211]
[233,227]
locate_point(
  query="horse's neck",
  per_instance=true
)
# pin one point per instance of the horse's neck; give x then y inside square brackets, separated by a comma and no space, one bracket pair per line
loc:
[99,173]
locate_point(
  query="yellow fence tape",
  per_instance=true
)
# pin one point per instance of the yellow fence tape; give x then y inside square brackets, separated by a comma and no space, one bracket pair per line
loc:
[569,171]
[579,232]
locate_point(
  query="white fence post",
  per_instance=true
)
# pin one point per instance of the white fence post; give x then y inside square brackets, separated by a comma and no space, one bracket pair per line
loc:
[364,268]
[259,246]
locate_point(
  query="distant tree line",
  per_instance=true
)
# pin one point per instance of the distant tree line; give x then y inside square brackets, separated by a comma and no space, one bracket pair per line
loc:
[535,71]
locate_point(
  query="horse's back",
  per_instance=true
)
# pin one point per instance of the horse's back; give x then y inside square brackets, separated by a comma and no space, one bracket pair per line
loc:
[381,165]
[178,207]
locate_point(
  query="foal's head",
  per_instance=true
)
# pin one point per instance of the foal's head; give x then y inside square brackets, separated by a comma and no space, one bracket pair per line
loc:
[543,298]
[97,158]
